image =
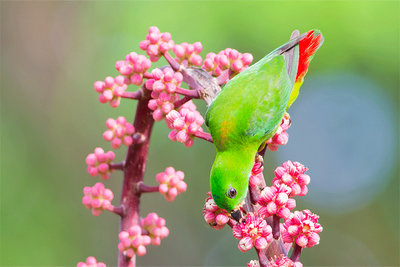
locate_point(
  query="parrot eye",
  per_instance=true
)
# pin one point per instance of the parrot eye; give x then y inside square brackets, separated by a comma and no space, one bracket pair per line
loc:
[231,192]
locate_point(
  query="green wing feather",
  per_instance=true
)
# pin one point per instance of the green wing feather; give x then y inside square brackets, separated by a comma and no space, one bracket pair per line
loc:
[249,108]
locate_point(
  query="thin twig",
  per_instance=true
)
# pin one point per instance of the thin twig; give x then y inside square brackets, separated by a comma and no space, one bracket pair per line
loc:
[275,226]
[143,188]
[133,95]
[116,166]
[182,101]
[262,258]
[190,93]
[117,210]
[295,256]
[171,61]
[204,136]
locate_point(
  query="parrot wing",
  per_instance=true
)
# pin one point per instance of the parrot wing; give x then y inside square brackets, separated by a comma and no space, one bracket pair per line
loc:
[252,104]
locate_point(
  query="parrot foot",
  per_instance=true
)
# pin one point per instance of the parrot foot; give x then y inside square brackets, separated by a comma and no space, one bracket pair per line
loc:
[259,159]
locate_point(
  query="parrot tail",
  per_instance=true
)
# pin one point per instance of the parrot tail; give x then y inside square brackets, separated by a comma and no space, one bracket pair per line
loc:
[307,48]
[308,45]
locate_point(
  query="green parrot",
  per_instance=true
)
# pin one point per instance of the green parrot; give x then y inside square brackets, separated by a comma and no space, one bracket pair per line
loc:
[248,111]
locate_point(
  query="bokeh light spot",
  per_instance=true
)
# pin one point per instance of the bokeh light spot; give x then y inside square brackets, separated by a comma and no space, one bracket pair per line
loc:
[344,131]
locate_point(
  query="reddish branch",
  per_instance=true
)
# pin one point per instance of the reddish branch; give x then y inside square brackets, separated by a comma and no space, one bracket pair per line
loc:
[116,166]
[204,136]
[135,163]
[296,253]
[133,95]
[143,188]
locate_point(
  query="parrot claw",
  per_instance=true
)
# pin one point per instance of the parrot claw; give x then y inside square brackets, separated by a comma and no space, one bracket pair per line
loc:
[259,159]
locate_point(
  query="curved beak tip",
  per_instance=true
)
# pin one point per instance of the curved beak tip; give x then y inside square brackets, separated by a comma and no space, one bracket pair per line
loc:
[236,214]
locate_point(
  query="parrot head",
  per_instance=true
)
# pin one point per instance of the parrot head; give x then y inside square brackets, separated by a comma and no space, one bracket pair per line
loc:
[230,180]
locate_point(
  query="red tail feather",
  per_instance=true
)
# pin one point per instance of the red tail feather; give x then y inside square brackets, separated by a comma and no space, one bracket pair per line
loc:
[307,47]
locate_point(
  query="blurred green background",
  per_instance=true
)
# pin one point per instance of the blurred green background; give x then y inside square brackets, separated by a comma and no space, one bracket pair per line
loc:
[345,127]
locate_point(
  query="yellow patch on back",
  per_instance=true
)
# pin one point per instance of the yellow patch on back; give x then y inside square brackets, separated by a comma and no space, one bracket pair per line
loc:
[224,130]
[295,93]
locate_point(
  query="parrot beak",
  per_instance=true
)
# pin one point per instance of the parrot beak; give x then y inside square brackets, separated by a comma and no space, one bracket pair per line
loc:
[236,214]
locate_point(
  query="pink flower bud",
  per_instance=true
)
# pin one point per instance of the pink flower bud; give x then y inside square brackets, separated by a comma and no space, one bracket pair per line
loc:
[99,86]
[158,115]
[144,44]
[303,179]
[109,81]
[245,244]
[136,79]
[178,50]
[149,84]
[237,65]
[182,136]
[260,243]
[247,58]
[152,50]
[198,47]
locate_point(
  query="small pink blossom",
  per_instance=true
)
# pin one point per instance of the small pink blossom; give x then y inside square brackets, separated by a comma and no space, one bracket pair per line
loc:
[184,124]
[156,43]
[188,54]
[292,175]
[252,231]
[91,262]
[171,183]
[256,175]
[280,137]
[229,58]
[111,89]
[302,228]
[163,85]
[283,261]
[253,263]
[276,201]
[133,242]
[119,132]
[213,215]
[97,198]
[133,67]
[98,163]
[156,227]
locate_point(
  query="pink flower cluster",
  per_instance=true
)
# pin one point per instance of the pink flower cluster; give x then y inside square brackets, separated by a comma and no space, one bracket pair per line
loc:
[256,175]
[184,124]
[133,67]
[225,59]
[280,137]
[111,89]
[156,43]
[283,261]
[292,175]
[119,132]
[213,215]
[91,262]
[133,242]
[156,227]
[188,54]
[275,200]
[302,228]
[171,183]
[97,198]
[98,163]
[252,231]
[163,85]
